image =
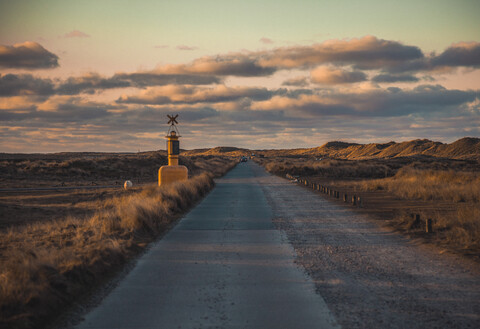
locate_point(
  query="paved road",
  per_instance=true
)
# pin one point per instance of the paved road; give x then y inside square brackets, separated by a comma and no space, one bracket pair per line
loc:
[223,266]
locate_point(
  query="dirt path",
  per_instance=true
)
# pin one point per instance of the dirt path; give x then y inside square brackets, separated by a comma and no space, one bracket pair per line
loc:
[369,276]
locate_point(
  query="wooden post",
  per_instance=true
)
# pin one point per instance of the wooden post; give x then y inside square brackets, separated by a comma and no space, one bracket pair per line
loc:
[416,221]
[354,200]
[359,201]
[428,225]
[345,197]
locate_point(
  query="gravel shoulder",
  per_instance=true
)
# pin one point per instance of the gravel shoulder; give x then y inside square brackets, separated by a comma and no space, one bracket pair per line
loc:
[370,276]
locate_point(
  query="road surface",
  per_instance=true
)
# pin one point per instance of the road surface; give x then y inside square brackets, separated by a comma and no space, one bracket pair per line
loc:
[224,265]
[230,264]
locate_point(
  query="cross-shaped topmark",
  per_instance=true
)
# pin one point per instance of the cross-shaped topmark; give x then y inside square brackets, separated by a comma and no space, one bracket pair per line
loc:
[173,119]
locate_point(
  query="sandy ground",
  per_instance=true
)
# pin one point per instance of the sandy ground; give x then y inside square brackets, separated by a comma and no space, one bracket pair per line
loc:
[369,276]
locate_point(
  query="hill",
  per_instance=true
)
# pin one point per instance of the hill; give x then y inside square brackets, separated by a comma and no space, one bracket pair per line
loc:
[464,148]
[220,150]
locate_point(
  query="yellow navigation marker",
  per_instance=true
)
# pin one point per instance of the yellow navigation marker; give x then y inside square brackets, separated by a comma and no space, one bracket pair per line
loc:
[173,172]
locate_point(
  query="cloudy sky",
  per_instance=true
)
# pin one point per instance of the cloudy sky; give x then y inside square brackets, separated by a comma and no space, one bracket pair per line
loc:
[101,75]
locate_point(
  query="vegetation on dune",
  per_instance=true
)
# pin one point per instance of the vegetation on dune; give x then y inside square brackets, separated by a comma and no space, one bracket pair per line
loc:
[45,266]
[428,184]
[464,148]
[80,169]
[459,229]
[327,168]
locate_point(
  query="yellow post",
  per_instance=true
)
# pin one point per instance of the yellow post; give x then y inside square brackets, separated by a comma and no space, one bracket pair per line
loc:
[173,172]
[173,146]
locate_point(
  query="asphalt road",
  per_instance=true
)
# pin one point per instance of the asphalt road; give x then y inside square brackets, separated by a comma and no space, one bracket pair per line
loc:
[224,265]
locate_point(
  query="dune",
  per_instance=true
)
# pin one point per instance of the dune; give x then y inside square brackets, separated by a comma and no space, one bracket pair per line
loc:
[467,148]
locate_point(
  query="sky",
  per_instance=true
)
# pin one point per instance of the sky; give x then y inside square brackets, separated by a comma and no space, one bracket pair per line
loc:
[102,75]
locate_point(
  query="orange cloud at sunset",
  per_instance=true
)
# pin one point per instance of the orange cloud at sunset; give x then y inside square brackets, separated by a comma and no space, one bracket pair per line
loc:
[328,75]
[28,55]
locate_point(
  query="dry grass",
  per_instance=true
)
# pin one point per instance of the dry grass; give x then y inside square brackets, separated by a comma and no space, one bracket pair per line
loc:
[461,228]
[458,230]
[106,169]
[44,266]
[447,185]
[327,167]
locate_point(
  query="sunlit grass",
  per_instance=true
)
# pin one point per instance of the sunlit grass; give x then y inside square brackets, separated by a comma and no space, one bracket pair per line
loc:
[447,185]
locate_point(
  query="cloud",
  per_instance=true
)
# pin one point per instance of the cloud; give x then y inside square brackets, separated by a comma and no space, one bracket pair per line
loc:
[267,41]
[27,55]
[24,85]
[458,55]
[373,103]
[89,83]
[461,54]
[76,34]
[367,53]
[390,78]
[27,85]
[191,95]
[296,82]
[332,76]
[156,115]
[160,46]
[183,47]
[48,114]
[59,110]
[277,118]
[144,79]
[364,53]
[234,64]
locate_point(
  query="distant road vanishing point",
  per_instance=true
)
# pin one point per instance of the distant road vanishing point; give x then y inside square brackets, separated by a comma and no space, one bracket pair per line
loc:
[261,252]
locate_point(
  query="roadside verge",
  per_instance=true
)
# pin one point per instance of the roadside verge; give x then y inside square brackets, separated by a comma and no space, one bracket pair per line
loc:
[47,266]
